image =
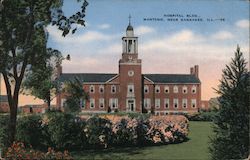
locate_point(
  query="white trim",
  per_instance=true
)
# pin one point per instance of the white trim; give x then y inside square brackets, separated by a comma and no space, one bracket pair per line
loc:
[112,78]
[84,111]
[130,63]
[148,79]
[178,83]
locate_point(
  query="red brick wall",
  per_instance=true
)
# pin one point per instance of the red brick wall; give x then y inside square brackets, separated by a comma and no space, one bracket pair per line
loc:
[125,80]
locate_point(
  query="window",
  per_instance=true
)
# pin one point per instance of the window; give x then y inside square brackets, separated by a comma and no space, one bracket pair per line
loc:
[63,102]
[130,73]
[157,89]
[166,103]
[147,103]
[113,89]
[175,103]
[113,102]
[146,89]
[157,103]
[194,89]
[101,103]
[92,89]
[184,89]
[193,103]
[184,103]
[82,103]
[175,89]
[92,103]
[166,89]
[130,88]
[101,89]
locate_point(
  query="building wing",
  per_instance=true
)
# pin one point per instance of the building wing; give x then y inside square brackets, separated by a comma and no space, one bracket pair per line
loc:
[172,78]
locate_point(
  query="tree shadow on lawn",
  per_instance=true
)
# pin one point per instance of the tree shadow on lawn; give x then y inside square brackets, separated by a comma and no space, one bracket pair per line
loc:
[118,153]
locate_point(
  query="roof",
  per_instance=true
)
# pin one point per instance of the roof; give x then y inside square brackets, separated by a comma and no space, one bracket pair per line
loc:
[86,77]
[172,78]
[129,28]
[3,98]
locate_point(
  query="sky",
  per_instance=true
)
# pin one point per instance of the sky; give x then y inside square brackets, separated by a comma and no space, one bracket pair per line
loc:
[165,46]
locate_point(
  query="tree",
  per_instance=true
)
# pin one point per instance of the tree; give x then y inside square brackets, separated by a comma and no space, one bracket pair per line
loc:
[41,82]
[23,40]
[231,140]
[75,95]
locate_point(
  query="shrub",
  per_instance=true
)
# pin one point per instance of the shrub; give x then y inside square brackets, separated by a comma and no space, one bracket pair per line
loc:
[203,116]
[123,134]
[98,132]
[65,131]
[4,121]
[30,131]
[18,152]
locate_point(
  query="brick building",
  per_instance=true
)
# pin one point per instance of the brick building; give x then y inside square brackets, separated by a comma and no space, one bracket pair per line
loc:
[4,104]
[130,90]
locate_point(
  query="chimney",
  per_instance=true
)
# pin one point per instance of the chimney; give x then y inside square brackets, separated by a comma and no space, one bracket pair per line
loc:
[191,70]
[195,71]
[59,71]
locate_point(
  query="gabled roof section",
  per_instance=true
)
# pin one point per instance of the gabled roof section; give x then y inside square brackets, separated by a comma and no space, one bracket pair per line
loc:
[172,78]
[87,77]
[3,98]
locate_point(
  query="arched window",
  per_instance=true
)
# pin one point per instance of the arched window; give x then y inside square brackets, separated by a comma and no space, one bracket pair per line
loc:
[92,89]
[194,89]
[113,89]
[175,89]
[146,89]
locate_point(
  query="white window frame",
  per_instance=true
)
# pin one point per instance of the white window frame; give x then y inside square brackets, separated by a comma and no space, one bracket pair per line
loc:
[131,86]
[63,102]
[91,101]
[176,101]
[101,87]
[113,87]
[166,101]
[146,88]
[113,101]
[82,103]
[193,103]
[157,88]
[158,103]
[166,88]
[147,103]
[175,89]
[194,88]
[101,101]
[184,90]
[91,87]
[184,101]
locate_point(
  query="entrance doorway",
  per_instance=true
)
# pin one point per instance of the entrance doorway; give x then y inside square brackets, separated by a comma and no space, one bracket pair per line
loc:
[131,105]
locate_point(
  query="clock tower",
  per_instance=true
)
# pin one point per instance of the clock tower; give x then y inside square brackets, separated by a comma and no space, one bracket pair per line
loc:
[130,73]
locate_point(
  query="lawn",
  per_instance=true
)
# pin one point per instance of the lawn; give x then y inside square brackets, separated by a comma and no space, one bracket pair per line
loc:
[195,148]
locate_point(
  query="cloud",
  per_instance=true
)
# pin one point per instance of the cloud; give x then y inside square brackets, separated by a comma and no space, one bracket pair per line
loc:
[104,26]
[142,30]
[244,23]
[86,37]
[222,35]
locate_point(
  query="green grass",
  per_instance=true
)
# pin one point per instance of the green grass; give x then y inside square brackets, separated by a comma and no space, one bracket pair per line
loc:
[195,148]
